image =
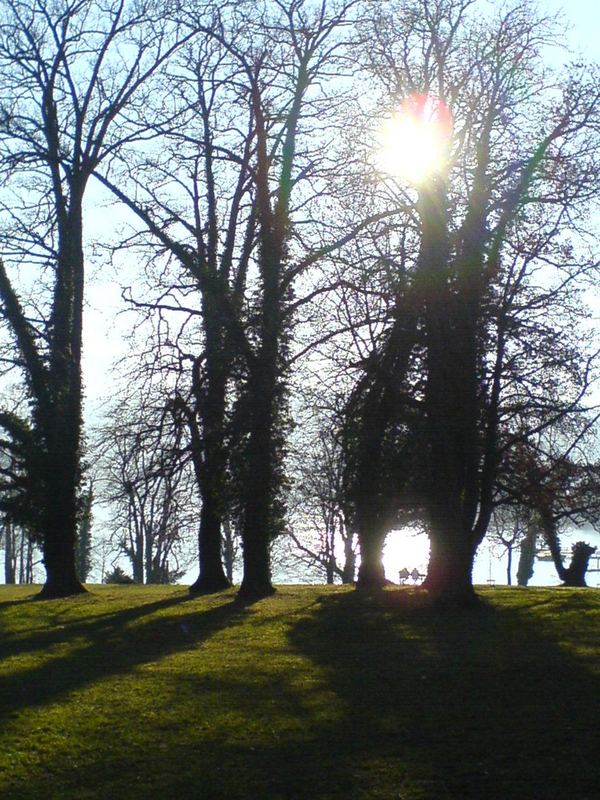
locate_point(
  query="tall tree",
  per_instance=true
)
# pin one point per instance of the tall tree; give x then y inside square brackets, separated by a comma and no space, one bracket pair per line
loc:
[491,214]
[73,78]
[252,93]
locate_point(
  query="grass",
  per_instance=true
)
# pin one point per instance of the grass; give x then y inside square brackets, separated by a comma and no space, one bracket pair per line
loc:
[143,692]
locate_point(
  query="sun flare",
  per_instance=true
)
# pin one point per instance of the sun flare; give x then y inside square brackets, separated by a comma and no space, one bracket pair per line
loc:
[413,143]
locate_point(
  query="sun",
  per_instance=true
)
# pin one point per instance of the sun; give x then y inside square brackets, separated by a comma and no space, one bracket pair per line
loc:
[413,143]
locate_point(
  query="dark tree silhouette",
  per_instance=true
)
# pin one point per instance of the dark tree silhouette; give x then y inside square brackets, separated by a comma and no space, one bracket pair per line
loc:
[267,68]
[488,219]
[64,84]
[556,490]
[527,556]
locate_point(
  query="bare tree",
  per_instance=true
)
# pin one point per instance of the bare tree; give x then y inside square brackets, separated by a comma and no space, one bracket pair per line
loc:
[318,525]
[148,487]
[509,529]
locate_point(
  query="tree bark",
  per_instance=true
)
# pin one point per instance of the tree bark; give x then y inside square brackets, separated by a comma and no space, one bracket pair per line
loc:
[256,582]
[9,554]
[208,446]
[371,573]
[60,531]
[575,573]
[260,486]
[212,577]
[349,568]
[450,572]
[60,414]
[451,403]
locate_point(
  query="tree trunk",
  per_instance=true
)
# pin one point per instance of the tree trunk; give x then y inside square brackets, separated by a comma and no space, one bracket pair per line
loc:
[260,487]
[210,459]
[61,576]
[137,561]
[527,555]
[549,529]
[451,401]
[575,573]
[509,565]
[228,549]
[22,578]
[212,577]
[349,568]
[371,574]
[9,554]
[449,574]
[60,539]
[59,544]
[256,582]
[60,414]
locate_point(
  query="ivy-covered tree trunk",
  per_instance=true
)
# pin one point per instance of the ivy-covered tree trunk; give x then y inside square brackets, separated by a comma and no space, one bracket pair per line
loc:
[59,411]
[211,467]
[449,577]
[53,460]
[575,573]
[451,291]
[527,556]
[60,515]
[259,492]
[349,568]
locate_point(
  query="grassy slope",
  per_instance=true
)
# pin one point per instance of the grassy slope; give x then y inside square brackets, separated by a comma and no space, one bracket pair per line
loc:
[140,692]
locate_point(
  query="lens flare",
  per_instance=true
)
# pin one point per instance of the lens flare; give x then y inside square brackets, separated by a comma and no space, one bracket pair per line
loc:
[413,142]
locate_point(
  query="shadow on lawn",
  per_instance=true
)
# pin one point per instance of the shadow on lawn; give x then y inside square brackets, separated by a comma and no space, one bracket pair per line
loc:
[378,698]
[477,704]
[102,646]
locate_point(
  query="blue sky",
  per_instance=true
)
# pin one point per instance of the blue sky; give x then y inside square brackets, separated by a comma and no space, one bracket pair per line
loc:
[583,17]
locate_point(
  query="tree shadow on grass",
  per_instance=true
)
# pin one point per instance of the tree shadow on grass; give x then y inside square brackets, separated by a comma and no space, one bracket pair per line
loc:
[474,704]
[369,697]
[102,646]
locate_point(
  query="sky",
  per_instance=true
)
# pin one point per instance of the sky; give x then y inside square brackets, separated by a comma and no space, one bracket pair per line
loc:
[583,22]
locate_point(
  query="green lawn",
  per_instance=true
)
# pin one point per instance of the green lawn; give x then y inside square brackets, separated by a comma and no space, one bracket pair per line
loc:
[141,692]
